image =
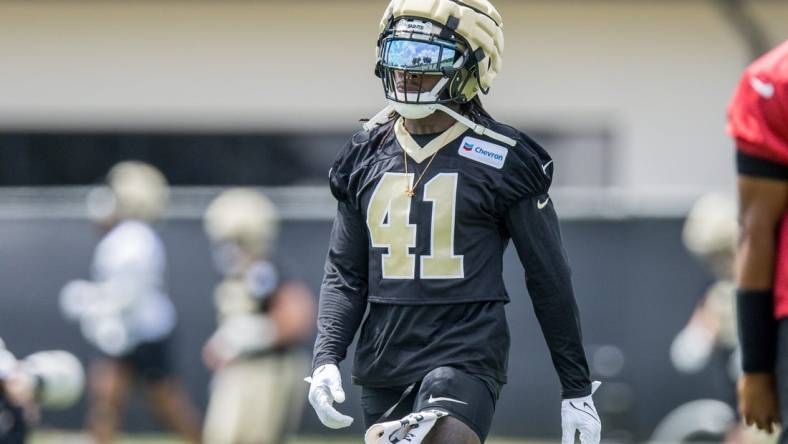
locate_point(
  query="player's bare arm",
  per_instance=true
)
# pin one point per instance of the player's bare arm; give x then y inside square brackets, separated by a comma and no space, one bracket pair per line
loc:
[293,313]
[756,121]
[762,206]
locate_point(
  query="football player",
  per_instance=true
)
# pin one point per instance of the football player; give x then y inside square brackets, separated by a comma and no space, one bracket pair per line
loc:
[710,233]
[50,379]
[124,311]
[429,196]
[709,338]
[257,394]
[758,121]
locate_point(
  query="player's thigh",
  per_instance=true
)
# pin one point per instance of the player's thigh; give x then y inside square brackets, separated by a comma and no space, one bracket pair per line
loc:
[467,398]
[110,381]
[376,402]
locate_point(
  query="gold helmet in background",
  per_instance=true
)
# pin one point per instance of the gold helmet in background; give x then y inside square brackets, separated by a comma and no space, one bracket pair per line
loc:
[245,218]
[712,226]
[711,232]
[134,190]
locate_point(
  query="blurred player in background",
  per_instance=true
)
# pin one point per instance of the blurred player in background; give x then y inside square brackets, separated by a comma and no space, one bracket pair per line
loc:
[710,233]
[257,394]
[124,311]
[48,379]
[758,120]
[429,196]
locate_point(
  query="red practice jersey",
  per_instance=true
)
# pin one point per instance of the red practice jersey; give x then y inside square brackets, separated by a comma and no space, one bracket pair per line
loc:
[758,121]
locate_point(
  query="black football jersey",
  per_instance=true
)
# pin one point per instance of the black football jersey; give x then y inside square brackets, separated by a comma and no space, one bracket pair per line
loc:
[418,244]
[435,233]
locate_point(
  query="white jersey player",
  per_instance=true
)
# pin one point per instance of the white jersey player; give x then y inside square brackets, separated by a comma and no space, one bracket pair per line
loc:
[125,304]
[124,310]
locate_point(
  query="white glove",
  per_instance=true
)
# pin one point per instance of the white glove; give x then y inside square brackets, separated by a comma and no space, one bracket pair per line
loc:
[325,389]
[76,297]
[58,376]
[579,414]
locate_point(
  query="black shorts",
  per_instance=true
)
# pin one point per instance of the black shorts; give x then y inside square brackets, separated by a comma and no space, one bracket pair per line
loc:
[466,397]
[150,361]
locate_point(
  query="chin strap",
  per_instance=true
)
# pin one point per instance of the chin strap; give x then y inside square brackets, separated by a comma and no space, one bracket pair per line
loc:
[382,116]
[478,129]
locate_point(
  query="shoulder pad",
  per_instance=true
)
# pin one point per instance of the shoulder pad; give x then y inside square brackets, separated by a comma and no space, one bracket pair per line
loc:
[528,170]
[351,158]
[361,137]
[346,162]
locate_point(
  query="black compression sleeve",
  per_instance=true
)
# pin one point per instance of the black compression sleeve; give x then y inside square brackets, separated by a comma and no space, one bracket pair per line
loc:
[533,226]
[343,295]
[757,330]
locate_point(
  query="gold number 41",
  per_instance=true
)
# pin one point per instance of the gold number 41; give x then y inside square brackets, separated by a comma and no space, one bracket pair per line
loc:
[388,221]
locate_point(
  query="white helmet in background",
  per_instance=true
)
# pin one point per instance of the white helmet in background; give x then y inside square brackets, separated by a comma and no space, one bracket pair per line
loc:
[135,190]
[60,375]
[712,226]
[711,233]
[241,222]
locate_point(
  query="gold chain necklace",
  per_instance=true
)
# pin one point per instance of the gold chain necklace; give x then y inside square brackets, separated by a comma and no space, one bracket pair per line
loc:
[409,190]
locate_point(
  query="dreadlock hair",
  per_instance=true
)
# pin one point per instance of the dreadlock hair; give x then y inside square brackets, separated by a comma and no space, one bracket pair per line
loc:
[475,109]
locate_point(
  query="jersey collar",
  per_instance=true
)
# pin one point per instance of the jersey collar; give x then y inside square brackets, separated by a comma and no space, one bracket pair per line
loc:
[419,154]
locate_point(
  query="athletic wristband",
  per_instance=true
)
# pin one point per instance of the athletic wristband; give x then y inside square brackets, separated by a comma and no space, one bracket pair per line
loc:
[757,330]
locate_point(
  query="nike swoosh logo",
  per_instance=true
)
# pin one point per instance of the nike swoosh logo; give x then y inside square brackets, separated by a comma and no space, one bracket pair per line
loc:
[547,165]
[431,400]
[596,418]
[764,89]
[541,204]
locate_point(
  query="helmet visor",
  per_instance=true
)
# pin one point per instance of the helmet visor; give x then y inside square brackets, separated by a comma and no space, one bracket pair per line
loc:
[420,56]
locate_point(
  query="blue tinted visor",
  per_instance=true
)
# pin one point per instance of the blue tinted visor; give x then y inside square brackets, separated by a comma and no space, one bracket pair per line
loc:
[414,55]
